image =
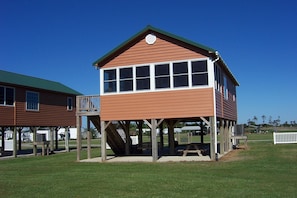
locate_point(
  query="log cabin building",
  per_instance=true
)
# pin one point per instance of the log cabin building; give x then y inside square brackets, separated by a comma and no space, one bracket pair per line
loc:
[27,101]
[159,79]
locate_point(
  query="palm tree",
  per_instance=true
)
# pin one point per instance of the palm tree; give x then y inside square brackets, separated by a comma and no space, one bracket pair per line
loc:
[263,118]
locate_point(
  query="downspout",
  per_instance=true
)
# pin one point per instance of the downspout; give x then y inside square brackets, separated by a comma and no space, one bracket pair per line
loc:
[215,108]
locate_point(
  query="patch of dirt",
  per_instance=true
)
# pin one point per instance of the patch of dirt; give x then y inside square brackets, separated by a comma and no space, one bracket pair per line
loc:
[233,155]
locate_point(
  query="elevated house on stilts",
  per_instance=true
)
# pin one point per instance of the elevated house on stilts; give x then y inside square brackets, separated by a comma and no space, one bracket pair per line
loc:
[35,103]
[159,79]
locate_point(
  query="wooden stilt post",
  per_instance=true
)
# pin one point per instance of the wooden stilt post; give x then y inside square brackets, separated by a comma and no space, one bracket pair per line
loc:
[67,139]
[170,125]
[201,132]
[78,138]
[19,129]
[52,136]
[222,136]
[89,137]
[34,140]
[103,141]
[154,140]
[140,133]
[57,138]
[226,135]
[161,137]
[2,141]
[14,141]
[212,138]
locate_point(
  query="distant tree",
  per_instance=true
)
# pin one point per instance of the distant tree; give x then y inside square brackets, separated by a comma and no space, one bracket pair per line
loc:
[255,119]
[270,120]
[263,118]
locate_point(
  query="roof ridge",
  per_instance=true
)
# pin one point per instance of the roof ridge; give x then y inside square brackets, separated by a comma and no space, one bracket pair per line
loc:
[35,82]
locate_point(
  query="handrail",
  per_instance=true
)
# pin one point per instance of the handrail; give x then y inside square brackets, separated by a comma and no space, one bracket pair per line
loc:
[88,103]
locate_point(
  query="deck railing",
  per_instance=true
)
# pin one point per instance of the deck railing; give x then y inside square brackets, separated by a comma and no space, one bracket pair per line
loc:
[88,104]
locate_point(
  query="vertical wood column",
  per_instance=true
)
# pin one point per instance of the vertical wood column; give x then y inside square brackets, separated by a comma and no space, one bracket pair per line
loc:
[52,137]
[78,138]
[89,138]
[226,135]
[229,145]
[2,141]
[154,140]
[14,141]
[222,137]
[212,138]
[34,140]
[20,138]
[67,139]
[170,125]
[161,136]
[103,141]
[140,139]
[201,132]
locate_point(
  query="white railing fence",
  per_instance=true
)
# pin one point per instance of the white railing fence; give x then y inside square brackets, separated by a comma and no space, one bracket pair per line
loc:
[285,138]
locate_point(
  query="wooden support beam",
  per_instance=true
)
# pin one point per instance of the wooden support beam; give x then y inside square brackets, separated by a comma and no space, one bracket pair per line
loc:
[78,139]
[103,140]
[14,141]
[222,136]
[205,121]
[67,139]
[34,140]
[52,137]
[88,138]
[213,142]
[154,140]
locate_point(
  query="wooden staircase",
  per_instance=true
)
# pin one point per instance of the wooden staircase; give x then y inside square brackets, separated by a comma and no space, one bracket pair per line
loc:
[114,139]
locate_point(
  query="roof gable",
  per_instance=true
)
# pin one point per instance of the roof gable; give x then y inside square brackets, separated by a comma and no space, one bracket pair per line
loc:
[207,51]
[149,29]
[33,82]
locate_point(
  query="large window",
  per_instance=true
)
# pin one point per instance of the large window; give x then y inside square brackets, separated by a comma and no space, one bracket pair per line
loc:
[199,73]
[180,74]
[156,76]
[143,77]
[126,79]
[6,96]
[162,76]
[110,84]
[32,100]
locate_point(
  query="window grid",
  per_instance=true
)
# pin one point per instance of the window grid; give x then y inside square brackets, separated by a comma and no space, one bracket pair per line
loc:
[168,75]
[6,96]
[32,99]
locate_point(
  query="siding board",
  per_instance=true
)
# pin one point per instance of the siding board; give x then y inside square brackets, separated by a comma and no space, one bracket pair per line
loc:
[52,110]
[161,51]
[163,104]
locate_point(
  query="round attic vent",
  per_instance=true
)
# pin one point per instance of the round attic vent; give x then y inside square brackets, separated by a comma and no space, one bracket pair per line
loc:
[150,39]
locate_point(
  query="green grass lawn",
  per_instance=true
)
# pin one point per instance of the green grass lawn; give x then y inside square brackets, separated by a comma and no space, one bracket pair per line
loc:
[263,170]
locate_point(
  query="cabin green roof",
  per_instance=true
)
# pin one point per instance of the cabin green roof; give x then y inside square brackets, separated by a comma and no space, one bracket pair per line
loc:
[33,82]
[208,50]
[153,29]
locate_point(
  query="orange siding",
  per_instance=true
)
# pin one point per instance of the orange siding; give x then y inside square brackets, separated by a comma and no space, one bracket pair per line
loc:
[226,108]
[163,104]
[161,51]
[6,115]
[52,110]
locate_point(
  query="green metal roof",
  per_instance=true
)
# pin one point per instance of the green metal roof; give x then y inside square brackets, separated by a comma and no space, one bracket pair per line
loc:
[153,29]
[210,51]
[28,81]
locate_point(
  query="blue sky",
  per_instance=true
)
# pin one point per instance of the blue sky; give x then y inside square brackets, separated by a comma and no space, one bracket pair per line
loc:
[60,39]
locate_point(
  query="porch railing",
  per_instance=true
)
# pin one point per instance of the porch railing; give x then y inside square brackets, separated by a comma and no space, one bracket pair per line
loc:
[88,104]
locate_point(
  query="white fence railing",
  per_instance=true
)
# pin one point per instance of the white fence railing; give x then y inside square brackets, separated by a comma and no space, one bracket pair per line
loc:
[285,138]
